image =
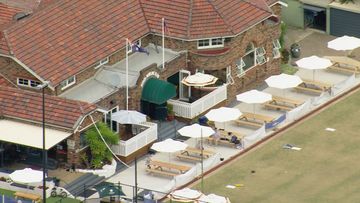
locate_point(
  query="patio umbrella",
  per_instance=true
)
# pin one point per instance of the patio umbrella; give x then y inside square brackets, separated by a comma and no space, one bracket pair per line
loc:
[185,195]
[344,43]
[212,198]
[106,189]
[313,63]
[196,131]
[169,146]
[254,97]
[26,176]
[223,114]
[199,80]
[283,81]
[128,117]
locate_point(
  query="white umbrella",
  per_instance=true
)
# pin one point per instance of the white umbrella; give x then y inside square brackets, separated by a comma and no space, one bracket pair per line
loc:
[212,198]
[196,131]
[185,194]
[169,146]
[128,117]
[313,63]
[26,176]
[223,114]
[199,80]
[283,81]
[344,43]
[254,97]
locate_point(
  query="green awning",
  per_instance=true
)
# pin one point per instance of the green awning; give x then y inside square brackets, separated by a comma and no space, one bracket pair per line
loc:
[157,91]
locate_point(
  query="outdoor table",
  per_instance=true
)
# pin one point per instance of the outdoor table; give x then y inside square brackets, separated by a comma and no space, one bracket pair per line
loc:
[160,165]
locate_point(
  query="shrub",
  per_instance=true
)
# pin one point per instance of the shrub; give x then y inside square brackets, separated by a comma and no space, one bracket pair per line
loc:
[285,56]
[99,152]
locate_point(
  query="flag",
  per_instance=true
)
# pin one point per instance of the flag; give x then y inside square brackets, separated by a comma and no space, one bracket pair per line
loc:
[166,28]
[137,48]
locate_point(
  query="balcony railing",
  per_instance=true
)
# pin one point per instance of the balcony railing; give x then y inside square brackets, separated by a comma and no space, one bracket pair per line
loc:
[125,148]
[191,110]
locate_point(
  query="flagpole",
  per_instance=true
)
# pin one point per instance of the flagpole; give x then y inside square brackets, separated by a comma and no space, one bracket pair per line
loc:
[163,42]
[127,74]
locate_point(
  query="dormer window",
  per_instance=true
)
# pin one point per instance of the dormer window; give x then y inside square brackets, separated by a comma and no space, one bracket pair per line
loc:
[210,43]
[27,82]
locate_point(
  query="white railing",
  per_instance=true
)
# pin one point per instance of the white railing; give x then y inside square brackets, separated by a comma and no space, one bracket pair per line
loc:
[125,148]
[191,110]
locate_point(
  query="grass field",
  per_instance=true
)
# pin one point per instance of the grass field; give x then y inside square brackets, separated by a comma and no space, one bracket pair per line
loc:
[327,169]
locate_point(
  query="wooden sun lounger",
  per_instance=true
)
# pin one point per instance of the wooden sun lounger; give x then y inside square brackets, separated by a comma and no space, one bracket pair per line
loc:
[160,165]
[33,197]
[162,173]
[344,64]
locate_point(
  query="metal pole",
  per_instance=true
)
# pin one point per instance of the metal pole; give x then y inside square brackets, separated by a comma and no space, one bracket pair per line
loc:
[202,163]
[136,189]
[163,41]
[127,73]
[44,151]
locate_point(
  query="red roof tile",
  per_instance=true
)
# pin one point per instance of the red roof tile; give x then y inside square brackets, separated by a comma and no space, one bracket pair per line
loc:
[68,36]
[21,104]
[5,82]
[7,13]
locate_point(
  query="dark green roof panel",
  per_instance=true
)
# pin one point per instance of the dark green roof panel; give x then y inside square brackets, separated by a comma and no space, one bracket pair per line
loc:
[157,91]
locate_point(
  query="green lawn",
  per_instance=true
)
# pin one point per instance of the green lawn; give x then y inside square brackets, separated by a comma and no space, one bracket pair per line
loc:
[325,170]
[49,200]
[288,69]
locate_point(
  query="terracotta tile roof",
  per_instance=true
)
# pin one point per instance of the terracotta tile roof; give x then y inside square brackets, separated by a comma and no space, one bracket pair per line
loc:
[7,13]
[5,82]
[68,36]
[26,105]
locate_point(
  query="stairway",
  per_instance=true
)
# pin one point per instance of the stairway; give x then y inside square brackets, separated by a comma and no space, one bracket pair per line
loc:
[168,129]
[83,183]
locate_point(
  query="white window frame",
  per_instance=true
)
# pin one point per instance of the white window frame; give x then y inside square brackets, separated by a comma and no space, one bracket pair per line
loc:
[260,55]
[130,50]
[211,45]
[29,82]
[240,68]
[276,49]
[102,62]
[66,84]
[111,111]
[229,79]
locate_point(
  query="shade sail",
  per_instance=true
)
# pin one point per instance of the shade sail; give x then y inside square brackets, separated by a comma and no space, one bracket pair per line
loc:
[128,117]
[30,135]
[196,131]
[26,176]
[254,97]
[157,91]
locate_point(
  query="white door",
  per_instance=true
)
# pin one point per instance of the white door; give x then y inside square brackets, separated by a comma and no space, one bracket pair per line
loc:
[184,91]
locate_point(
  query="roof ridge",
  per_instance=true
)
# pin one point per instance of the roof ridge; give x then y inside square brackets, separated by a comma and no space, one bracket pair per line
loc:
[7,42]
[229,27]
[190,18]
[257,6]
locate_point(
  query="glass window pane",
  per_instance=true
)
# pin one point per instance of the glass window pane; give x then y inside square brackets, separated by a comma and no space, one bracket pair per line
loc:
[216,41]
[249,60]
[249,48]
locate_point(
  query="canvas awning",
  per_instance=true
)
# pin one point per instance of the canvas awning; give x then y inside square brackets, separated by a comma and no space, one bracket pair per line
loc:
[157,91]
[30,135]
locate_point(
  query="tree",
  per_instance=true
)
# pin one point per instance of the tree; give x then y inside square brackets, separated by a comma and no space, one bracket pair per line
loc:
[99,152]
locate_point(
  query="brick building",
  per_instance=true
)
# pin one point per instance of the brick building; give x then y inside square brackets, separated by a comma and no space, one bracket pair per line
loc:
[80,48]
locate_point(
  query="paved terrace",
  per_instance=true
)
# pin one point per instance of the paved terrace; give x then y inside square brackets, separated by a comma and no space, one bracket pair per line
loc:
[111,77]
[164,184]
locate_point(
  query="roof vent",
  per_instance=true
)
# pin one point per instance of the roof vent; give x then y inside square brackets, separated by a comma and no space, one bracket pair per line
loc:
[20,15]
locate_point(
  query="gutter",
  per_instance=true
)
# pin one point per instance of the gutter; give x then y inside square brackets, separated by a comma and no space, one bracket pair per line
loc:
[29,70]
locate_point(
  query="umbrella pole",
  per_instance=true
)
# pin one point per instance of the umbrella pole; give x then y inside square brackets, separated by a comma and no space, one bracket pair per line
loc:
[254,108]
[313,75]
[136,195]
[202,164]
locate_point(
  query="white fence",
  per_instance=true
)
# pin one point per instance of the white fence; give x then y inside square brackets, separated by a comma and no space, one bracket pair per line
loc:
[191,110]
[125,148]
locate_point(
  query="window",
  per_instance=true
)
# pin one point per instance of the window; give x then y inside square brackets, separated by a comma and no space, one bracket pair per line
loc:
[113,125]
[210,43]
[68,82]
[229,79]
[249,58]
[83,142]
[137,42]
[276,48]
[102,62]
[27,83]
[260,55]
[240,64]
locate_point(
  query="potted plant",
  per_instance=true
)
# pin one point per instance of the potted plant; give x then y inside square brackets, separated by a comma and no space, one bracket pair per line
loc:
[170,112]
